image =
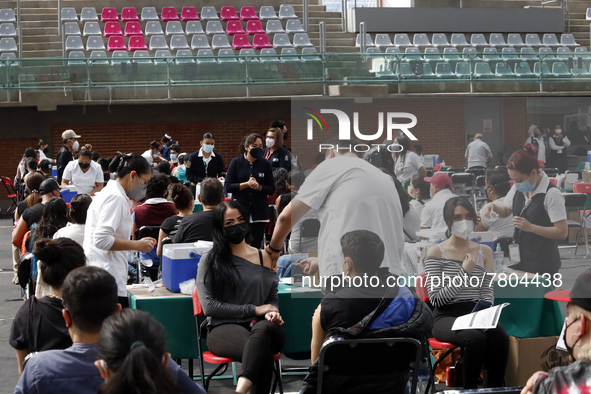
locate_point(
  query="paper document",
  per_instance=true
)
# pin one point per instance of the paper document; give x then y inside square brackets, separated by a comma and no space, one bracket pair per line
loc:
[481,320]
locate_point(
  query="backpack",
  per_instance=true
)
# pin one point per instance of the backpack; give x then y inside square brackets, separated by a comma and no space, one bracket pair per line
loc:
[380,158]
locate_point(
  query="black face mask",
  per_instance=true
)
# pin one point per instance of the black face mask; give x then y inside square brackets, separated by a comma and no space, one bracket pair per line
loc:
[569,349]
[45,150]
[235,234]
[84,165]
[256,152]
[286,135]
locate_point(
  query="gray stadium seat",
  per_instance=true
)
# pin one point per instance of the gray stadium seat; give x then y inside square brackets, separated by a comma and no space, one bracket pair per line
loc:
[199,41]
[269,55]
[470,53]
[149,14]
[163,56]
[545,69]
[286,12]
[393,53]
[68,14]
[301,40]
[439,40]
[368,40]
[401,40]
[205,56]
[560,69]
[184,56]
[227,55]
[92,29]
[496,40]
[179,41]
[88,14]
[310,54]
[382,40]
[532,40]
[509,53]
[281,40]
[289,55]
[443,70]
[546,53]
[420,40]
[294,26]
[451,54]
[563,53]
[174,27]
[432,55]
[74,43]
[412,54]
[194,27]
[267,12]
[76,57]
[247,54]
[220,41]
[568,40]
[522,69]
[490,54]
[550,40]
[153,28]
[209,13]
[119,57]
[158,42]
[582,52]
[528,53]
[503,69]
[515,40]
[95,43]
[142,56]
[7,15]
[99,57]
[274,26]
[478,40]
[71,29]
[214,27]
[482,70]
[463,70]
[458,40]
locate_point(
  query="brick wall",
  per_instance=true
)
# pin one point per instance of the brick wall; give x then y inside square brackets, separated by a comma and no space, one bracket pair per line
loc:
[11,152]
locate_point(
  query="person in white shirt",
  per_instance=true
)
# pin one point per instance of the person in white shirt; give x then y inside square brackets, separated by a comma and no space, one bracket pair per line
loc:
[108,223]
[77,215]
[407,163]
[153,154]
[478,153]
[558,142]
[411,214]
[348,194]
[536,139]
[432,214]
[43,148]
[497,186]
[85,174]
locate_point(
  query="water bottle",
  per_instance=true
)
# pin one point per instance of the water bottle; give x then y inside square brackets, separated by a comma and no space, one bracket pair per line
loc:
[589,155]
[499,257]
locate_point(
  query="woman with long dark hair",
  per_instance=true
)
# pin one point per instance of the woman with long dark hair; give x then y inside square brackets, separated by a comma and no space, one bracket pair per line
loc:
[55,216]
[407,163]
[238,292]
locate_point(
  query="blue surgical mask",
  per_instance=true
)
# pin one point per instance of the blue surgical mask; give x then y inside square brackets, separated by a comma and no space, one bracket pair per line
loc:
[525,187]
[172,157]
[208,148]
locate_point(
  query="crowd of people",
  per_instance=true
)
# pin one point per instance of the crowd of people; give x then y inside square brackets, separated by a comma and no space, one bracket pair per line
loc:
[75,262]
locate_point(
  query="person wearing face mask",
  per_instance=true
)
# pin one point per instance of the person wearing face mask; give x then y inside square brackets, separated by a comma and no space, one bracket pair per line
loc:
[440,189]
[65,154]
[461,259]
[85,174]
[167,143]
[537,139]
[108,221]
[250,180]
[275,153]
[205,163]
[238,292]
[43,148]
[558,142]
[175,150]
[539,213]
[576,377]
[497,186]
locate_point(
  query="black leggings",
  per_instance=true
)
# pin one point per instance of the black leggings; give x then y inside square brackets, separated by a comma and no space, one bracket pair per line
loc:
[488,348]
[254,348]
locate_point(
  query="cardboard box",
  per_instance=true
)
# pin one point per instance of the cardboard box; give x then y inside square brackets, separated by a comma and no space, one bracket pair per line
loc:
[529,355]
[586,176]
[572,232]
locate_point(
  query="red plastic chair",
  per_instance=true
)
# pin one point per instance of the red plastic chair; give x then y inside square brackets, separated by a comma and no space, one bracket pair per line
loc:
[240,41]
[248,13]
[11,193]
[228,13]
[129,14]
[260,41]
[254,27]
[109,14]
[189,14]
[133,28]
[169,14]
[222,362]
[137,43]
[116,43]
[234,27]
[112,29]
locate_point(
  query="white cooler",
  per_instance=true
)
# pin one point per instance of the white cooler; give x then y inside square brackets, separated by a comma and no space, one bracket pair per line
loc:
[179,262]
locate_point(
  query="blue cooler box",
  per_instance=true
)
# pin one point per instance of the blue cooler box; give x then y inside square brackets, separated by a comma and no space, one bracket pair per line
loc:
[179,262]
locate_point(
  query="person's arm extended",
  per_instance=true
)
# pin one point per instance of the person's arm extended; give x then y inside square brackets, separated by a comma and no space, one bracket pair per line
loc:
[161,236]
[292,213]
[502,210]
[318,335]
[65,182]
[20,358]
[19,232]
[97,188]
[558,230]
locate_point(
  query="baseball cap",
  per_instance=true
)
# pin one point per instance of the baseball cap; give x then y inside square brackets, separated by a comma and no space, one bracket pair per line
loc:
[45,165]
[440,180]
[48,185]
[66,135]
[581,292]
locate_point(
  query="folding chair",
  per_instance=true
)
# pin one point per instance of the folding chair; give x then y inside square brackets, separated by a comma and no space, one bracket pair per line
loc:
[11,193]
[578,199]
[464,181]
[222,362]
[309,228]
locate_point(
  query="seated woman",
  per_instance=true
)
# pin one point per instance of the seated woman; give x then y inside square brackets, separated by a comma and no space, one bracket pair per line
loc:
[458,257]
[39,324]
[393,311]
[184,203]
[238,292]
[75,227]
[497,186]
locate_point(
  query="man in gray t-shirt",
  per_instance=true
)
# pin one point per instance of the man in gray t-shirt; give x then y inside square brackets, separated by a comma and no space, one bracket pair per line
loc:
[478,153]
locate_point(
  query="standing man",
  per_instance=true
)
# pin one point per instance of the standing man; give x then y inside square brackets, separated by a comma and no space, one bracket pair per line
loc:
[432,213]
[205,163]
[65,154]
[478,153]
[167,142]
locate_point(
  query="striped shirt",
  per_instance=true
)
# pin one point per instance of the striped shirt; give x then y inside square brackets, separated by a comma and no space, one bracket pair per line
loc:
[448,282]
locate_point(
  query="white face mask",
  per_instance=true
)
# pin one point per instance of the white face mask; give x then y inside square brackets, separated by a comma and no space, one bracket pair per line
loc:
[75,145]
[558,131]
[462,229]
[270,142]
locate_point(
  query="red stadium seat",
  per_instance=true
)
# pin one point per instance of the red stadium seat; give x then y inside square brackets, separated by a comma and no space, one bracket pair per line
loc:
[137,43]
[189,14]
[248,13]
[228,13]
[240,41]
[112,29]
[109,14]
[169,14]
[254,27]
[129,14]
[116,43]
[133,28]
[260,41]
[234,27]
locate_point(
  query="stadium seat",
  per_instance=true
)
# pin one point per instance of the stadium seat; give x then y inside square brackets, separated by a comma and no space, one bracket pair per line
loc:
[76,57]
[132,28]
[261,41]
[205,56]
[228,13]
[95,43]
[184,56]
[412,54]
[116,43]
[227,55]
[401,40]
[546,53]
[310,54]
[470,53]
[220,41]
[118,57]
[248,13]
[141,56]
[420,40]
[588,14]
[286,12]
[137,43]
[509,54]
[73,43]
[194,27]
[294,26]
[214,27]
[290,55]
[496,40]
[532,40]
[209,13]
[173,27]
[545,69]
[560,70]
[69,28]
[91,29]
[98,57]
[580,70]
[503,70]
[109,14]
[515,40]
[254,27]
[482,70]
[153,28]
[458,40]
[490,54]
[158,42]
[528,53]
[550,40]
[463,70]
[88,14]
[478,40]
[416,70]
[568,40]
[269,55]
[240,41]
[563,53]
[267,12]
[129,14]
[368,40]
[393,53]
[68,14]
[274,26]
[234,27]
[439,40]
[169,14]
[451,54]
[432,55]
[199,41]
[443,70]
[163,56]
[247,55]
[189,14]
[281,40]
[112,29]
[149,14]
[382,40]
[522,70]
[374,52]
[179,41]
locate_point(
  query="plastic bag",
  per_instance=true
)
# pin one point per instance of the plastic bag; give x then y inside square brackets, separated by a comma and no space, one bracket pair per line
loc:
[187,286]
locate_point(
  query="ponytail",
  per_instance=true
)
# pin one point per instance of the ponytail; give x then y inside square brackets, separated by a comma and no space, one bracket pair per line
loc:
[524,160]
[123,164]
